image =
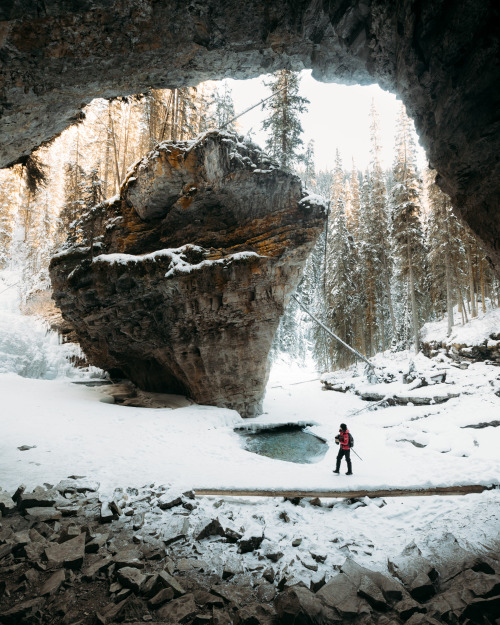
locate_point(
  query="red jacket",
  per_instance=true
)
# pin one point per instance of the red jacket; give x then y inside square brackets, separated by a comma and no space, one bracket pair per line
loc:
[344,439]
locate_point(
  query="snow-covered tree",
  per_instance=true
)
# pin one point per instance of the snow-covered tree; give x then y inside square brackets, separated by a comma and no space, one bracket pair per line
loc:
[408,236]
[221,108]
[283,121]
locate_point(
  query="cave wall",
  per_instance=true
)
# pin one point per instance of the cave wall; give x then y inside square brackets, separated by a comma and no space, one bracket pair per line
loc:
[440,56]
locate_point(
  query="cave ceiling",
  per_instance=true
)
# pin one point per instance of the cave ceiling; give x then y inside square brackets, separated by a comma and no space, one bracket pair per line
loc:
[440,56]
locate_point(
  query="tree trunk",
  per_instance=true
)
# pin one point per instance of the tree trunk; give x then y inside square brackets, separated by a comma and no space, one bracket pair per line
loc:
[471,283]
[449,299]
[413,299]
[483,294]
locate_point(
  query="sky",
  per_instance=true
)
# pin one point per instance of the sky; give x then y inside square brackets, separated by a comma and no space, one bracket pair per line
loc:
[337,117]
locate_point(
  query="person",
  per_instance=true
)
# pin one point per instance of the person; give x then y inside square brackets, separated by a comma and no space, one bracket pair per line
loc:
[342,439]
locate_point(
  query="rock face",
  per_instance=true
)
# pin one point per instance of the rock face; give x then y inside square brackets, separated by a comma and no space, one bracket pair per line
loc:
[439,57]
[186,279]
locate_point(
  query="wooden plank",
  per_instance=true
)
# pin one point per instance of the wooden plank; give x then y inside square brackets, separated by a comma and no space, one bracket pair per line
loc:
[348,494]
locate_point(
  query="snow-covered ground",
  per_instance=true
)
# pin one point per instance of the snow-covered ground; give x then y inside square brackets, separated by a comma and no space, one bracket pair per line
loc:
[73,429]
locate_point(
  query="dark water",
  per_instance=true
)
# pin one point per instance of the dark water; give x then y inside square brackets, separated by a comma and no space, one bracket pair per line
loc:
[287,443]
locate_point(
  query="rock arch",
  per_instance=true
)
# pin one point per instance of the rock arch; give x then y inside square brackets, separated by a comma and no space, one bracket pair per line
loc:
[439,56]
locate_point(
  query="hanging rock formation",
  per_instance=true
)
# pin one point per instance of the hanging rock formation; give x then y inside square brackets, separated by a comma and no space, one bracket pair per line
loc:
[184,283]
[440,57]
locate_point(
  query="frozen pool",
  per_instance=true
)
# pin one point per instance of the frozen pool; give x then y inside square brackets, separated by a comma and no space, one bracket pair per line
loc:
[287,443]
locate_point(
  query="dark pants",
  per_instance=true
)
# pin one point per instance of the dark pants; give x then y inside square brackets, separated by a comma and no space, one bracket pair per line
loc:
[340,455]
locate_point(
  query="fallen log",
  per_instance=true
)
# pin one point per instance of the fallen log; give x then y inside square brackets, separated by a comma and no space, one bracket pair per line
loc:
[348,494]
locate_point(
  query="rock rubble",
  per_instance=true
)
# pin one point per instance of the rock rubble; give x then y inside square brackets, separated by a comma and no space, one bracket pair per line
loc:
[89,569]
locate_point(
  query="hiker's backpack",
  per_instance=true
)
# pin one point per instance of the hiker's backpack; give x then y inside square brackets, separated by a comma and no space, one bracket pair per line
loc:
[351,440]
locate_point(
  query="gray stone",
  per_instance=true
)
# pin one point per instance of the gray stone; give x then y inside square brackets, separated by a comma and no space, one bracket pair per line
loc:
[208,528]
[53,583]
[178,610]
[450,558]
[238,595]
[69,554]
[256,614]
[129,556]
[79,485]
[342,594]
[175,529]
[446,607]
[415,571]
[204,598]
[131,578]
[407,607]
[170,499]
[44,514]
[5,550]
[138,521]
[372,593]
[250,541]
[168,581]
[232,566]
[299,606]
[97,541]
[23,611]
[391,589]
[7,504]
[165,595]
[39,498]
[107,515]
[95,567]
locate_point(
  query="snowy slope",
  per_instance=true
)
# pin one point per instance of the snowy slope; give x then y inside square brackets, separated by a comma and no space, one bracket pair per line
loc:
[73,429]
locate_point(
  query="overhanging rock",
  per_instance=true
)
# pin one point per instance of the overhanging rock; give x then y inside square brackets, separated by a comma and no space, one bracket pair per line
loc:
[179,283]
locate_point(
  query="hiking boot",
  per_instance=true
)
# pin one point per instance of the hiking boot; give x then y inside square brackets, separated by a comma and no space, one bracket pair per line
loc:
[335,471]
[348,473]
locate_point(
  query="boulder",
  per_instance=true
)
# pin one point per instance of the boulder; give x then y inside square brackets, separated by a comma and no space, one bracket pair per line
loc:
[132,578]
[53,583]
[39,498]
[94,568]
[299,606]
[178,610]
[416,572]
[176,528]
[69,554]
[185,276]
[7,504]
[23,612]
[129,556]
[168,581]
[341,593]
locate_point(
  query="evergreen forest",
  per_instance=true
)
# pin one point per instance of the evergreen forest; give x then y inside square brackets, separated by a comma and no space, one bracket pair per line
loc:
[392,256]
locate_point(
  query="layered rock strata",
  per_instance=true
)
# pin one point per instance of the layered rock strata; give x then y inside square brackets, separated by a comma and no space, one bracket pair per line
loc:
[180,282]
[440,57]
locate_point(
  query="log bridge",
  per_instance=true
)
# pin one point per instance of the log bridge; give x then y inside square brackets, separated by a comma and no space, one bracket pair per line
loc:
[347,494]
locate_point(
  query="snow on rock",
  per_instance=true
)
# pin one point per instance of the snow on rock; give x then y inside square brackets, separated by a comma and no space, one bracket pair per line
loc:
[181,282]
[478,339]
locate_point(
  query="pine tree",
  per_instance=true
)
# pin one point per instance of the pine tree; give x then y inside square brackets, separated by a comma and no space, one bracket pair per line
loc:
[379,238]
[409,246]
[341,284]
[308,174]
[283,121]
[10,181]
[445,247]
[221,108]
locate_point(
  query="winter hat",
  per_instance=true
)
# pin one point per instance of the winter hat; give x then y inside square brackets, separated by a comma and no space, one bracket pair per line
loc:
[343,427]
